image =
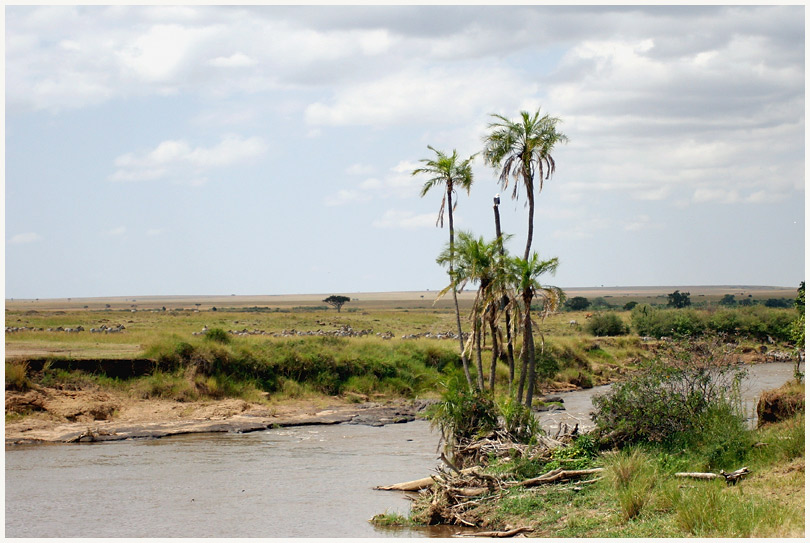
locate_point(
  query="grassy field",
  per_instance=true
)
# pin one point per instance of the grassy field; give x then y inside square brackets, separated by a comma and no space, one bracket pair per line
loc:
[156,327]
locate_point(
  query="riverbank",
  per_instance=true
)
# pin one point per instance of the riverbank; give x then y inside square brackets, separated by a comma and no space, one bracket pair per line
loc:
[71,416]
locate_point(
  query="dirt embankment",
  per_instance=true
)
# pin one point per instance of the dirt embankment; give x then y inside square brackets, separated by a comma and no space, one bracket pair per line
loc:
[69,416]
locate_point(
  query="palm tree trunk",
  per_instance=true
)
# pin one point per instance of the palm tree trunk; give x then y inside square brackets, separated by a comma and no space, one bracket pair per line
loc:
[532,374]
[510,350]
[495,348]
[530,234]
[477,331]
[525,353]
[464,362]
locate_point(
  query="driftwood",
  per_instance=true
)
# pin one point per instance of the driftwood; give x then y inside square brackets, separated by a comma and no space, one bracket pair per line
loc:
[557,475]
[507,533]
[731,478]
[418,484]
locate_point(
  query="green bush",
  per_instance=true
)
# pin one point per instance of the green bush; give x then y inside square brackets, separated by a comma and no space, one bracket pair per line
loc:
[462,414]
[668,397]
[218,335]
[607,324]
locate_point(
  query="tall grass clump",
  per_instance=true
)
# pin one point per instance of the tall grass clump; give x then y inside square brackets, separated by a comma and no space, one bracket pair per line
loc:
[632,474]
[17,376]
[217,335]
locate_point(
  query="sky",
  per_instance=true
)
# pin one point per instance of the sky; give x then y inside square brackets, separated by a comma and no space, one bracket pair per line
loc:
[206,150]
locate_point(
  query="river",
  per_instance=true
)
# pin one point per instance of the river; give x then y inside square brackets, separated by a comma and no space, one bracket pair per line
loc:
[312,481]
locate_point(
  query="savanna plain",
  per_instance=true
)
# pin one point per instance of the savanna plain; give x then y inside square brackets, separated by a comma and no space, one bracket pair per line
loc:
[99,369]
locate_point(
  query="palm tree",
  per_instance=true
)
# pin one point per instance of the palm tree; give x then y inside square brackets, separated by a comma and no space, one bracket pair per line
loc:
[478,261]
[527,274]
[449,173]
[522,149]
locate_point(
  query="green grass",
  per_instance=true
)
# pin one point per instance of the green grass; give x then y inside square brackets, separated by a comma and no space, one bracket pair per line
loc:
[639,496]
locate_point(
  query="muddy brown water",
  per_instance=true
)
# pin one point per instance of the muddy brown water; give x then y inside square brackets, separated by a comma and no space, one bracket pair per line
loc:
[293,482]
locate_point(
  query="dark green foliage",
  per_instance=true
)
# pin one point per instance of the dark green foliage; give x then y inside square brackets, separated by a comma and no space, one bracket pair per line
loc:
[462,413]
[218,335]
[668,397]
[546,365]
[678,299]
[601,303]
[337,301]
[728,300]
[630,305]
[779,302]
[577,303]
[757,322]
[607,324]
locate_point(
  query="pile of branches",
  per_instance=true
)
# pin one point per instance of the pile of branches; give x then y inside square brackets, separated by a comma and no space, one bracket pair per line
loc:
[453,495]
[500,444]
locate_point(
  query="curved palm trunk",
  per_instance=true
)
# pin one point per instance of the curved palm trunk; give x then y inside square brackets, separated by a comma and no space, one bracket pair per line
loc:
[464,362]
[530,234]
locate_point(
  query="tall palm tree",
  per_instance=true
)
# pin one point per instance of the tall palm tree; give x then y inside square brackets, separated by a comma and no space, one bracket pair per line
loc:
[527,274]
[449,173]
[522,150]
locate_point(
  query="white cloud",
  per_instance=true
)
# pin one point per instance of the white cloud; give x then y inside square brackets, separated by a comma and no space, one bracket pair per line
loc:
[704,195]
[397,183]
[419,95]
[236,60]
[407,220]
[28,237]
[154,232]
[160,53]
[177,158]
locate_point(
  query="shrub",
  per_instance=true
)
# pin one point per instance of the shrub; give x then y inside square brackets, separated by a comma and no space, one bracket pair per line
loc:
[668,396]
[518,420]
[462,414]
[17,376]
[218,335]
[607,324]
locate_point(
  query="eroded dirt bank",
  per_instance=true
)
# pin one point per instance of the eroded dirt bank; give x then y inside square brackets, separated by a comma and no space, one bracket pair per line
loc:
[70,416]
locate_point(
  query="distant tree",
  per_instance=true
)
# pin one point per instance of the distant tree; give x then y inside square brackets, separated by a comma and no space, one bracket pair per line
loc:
[600,303]
[728,300]
[746,301]
[630,305]
[577,303]
[778,302]
[678,299]
[337,301]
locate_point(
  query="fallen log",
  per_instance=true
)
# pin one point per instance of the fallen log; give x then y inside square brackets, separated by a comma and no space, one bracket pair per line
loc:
[557,475]
[697,475]
[507,533]
[731,478]
[418,484]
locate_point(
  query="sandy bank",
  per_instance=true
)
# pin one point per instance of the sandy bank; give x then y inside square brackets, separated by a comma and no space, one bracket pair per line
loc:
[71,416]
